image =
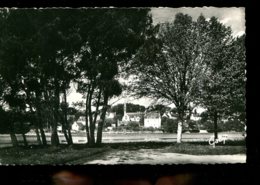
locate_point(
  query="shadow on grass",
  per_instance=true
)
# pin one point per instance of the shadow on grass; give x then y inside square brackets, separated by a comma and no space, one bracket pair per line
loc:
[61,154]
[78,153]
[156,145]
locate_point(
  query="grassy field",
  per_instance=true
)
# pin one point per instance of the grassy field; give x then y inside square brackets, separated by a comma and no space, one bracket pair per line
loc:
[77,153]
[193,148]
[47,155]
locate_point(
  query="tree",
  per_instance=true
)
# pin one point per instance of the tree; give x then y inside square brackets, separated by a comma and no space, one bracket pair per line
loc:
[39,47]
[55,43]
[119,110]
[50,43]
[223,87]
[44,50]
[159,107]
[170,66]
[111,88]
[110,37]
[130,107]
[13,58]
[6,127]
[235,72]
[169,125]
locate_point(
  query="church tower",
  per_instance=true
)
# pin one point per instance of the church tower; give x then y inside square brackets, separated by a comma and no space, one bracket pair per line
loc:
[125,117]
[125,108]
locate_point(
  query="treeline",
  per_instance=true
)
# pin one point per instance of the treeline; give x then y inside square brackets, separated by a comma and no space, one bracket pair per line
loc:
[193,63]
[43,51]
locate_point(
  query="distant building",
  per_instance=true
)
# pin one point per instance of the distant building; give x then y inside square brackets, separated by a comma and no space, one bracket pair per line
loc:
[170,115]
[82,119]
[195,116]
[152,119]
[77,126]
[80,123]
[132,116]
[110,115]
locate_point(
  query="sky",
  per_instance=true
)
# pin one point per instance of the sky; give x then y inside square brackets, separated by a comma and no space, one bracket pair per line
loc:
[233,17]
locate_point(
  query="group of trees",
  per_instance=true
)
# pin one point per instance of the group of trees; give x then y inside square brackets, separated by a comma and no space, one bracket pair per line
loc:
[193,63]
[43,51]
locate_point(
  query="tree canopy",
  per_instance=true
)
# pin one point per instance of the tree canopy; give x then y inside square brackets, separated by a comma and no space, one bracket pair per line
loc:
[187,63]
[44,50]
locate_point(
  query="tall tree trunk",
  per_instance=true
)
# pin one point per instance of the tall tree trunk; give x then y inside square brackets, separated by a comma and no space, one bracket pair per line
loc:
[23,135]
[54,136]
[64,128]
[180,124]
[39,119]
[215,125]
[67,126]
[24,139]
[86,118]
[39,141]
[91,124]
[179,131]
[38,136]
[13,136]
[66,135]
[102,120]
[14,139]
[44,141]
[70,136]
[36,128]
[35,122]
[54,133]
[97,107]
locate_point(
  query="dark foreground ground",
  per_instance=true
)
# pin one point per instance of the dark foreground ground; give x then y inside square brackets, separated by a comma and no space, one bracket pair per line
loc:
[113,153]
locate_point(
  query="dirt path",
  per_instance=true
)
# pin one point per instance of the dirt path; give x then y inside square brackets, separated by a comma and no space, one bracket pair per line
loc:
[155,156]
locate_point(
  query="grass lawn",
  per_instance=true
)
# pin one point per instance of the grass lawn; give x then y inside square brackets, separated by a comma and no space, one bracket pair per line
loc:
[47,155]
[78,154]
[196,149]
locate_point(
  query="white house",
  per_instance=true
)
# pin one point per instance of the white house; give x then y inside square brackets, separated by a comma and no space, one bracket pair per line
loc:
[195,116]
[132,116]
[152,119]
[82,119]
[110,115]
[81,122]
[77,126]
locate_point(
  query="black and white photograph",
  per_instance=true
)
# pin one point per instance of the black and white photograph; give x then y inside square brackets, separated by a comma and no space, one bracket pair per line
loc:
[150,85]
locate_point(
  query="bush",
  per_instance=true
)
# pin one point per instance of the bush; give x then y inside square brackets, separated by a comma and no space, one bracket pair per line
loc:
[109,122]
[151,129]
[169,125]
[230,125]
[209,126]
[119,128]
[132,125]
[233,125]
[193,126]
